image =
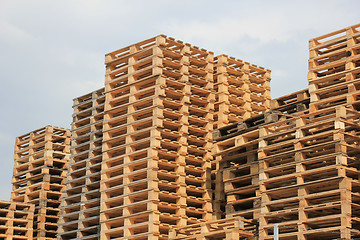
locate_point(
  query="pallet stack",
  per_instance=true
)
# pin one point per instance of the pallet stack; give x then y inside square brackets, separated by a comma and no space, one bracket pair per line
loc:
[80,205]
[16,220]
[236,170]
[242,90]
[41,159]
[157,139]
[334,69]
[307,174]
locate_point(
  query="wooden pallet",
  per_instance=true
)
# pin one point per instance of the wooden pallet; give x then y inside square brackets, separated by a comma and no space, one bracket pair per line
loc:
[246,125]
[16,220]
[231,228]
[41,159]
[80,204]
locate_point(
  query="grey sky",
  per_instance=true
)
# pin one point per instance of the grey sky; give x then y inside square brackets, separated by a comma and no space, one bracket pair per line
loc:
[53,51]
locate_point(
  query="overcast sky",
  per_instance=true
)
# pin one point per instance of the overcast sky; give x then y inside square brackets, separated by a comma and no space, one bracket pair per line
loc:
[53,51]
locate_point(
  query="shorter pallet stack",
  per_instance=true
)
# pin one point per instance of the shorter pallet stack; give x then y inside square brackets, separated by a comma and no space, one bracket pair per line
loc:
[41,159]
[226,229]
[16,220]
[80,204]
[309,175]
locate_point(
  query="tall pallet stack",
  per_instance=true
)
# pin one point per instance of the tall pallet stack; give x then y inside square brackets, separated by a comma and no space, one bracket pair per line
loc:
[157,139]
[16,220]
[334,69]
[242,90]
[41,159]
[80,207]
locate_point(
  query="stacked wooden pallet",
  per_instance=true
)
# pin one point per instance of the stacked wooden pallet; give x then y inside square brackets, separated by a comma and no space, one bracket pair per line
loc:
[242,90]
[300,172]
[16,220]
[41,159]
[157,139]
[334,69]
[308,173]
[80,206]
[229,229]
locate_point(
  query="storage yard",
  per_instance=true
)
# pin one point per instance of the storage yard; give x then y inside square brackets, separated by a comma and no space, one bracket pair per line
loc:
[182,144]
